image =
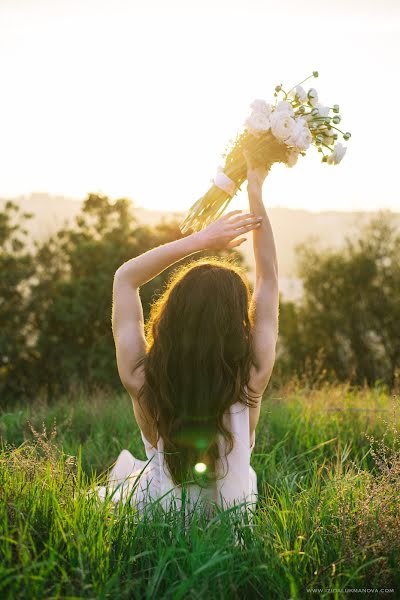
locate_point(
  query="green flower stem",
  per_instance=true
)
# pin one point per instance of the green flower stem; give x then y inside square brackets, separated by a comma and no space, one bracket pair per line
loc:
[326,146]
[337,129]
[298,84]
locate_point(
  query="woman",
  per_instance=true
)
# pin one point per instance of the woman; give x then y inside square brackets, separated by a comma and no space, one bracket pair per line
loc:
[197,381]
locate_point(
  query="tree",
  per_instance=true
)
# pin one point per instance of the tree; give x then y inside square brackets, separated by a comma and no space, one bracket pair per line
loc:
[16,270]
[72,297]
[348,323]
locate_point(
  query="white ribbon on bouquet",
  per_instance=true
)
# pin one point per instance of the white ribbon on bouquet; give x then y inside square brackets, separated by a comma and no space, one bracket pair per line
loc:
[223,182]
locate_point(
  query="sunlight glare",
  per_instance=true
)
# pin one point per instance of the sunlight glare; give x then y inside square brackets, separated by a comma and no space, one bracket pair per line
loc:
[200,467]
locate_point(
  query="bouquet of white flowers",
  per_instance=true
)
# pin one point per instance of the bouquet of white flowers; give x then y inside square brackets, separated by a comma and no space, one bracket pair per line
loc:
[277,133]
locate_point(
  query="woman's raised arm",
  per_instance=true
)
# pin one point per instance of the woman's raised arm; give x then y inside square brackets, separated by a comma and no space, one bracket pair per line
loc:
[265,301]
[127,313]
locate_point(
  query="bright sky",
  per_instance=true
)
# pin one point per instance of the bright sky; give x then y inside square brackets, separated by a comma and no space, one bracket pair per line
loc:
[139,99]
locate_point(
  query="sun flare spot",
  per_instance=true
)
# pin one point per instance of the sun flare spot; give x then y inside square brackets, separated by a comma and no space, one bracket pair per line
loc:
[200,467]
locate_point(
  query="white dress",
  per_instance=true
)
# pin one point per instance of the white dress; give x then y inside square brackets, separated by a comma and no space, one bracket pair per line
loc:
[140,482]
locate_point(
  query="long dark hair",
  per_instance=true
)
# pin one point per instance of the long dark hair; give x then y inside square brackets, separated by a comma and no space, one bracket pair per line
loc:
[198,363]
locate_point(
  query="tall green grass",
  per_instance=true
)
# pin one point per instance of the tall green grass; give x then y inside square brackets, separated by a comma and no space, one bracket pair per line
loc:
[328,514]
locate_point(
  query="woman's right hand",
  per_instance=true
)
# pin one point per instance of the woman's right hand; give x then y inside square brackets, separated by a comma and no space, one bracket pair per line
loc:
[255,174]
[221,234]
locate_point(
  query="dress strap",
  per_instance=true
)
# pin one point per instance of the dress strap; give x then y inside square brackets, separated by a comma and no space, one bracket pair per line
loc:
[146,442]
[239,424]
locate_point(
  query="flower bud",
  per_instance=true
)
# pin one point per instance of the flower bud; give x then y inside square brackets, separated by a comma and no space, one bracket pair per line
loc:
[324,158]
[335,108]
[315,73]
[278,88]
[336,119]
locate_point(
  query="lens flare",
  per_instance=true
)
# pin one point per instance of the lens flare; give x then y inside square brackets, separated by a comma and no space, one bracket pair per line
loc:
[200,467]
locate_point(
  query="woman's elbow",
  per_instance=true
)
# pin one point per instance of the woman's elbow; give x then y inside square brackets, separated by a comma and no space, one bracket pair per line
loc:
[125,275]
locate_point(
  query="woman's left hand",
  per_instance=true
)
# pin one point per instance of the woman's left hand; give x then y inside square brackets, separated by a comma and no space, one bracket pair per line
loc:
[221,234]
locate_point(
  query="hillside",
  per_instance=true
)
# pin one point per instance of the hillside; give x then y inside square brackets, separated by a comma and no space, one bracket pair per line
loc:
[291,227]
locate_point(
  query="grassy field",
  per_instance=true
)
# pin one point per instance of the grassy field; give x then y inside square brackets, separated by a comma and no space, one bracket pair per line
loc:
[328,516]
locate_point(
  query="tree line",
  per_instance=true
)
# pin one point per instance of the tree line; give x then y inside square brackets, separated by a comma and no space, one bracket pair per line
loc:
[347,325]
[56,298]
[55,302]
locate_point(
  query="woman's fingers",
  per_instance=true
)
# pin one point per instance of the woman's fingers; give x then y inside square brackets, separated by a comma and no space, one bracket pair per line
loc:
[230,214]
[249,227]
[249,222]
[236,243]
[241,217]
[247,156]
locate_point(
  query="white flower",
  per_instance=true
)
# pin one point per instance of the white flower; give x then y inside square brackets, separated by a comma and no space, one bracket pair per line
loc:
[261,106]
[300,92]
[338,152]
[301,137]
[312,96]
[292,155]
[322,110]
[285,106]
[258,122]
[302,121]
[260,118]
[282,125]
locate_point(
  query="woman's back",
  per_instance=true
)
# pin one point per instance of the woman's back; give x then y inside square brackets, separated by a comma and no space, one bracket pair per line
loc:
[142,481]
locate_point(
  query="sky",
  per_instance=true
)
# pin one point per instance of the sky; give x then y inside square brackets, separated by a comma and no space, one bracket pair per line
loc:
[140,99]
